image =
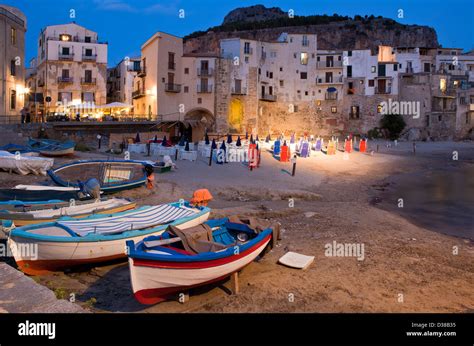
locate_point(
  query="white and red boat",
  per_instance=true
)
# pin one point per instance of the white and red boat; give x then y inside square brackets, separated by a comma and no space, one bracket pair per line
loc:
[178,260]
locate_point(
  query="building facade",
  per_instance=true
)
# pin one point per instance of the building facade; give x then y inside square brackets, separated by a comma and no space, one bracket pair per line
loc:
[120,81]
[12,63]
[71,70]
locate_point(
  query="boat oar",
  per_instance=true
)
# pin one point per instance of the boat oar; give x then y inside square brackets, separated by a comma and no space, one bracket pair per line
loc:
[153,243]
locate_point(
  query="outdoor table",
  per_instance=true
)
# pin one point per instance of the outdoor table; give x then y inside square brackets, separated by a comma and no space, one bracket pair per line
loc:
[188,155]
[163,151]
[137,148]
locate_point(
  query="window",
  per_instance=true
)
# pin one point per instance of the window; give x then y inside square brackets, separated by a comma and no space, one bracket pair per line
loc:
[295,108]
[270,75]
[379,109]
[65,73]
[304,75]
[282,83]
[305,41]
[199,100]
[349,70]
[247,48]
[333,109]
[88,52]
[65,50]
[373,69]
[186,89]
[427,67]
[371,83]
[64,37]
[87,39]
[395,67]
[247,59]
[12,68]
[13,99]
[281,69]
[318,102]
[13,38]
[186,70]
[306,93]
[354,112]
[259,70]
[349,53]
[88,76]
[304,58]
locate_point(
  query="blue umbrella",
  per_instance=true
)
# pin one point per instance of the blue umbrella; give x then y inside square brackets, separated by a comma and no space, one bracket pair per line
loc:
[214,145]
[164,143]
[206,138]
[137,138]
[239,144]
[186,148]
[181,141]
[229,139]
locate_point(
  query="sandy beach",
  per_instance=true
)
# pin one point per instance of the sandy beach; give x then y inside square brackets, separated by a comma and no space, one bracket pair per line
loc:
[407,266]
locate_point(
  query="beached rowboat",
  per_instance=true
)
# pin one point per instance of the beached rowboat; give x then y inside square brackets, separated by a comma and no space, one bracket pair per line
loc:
[50,147]
[70,242]
[176,261]
[113,176]
[23,218]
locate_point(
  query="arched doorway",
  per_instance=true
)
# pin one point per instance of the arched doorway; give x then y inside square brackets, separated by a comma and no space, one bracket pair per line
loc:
[196,122]
[236,115]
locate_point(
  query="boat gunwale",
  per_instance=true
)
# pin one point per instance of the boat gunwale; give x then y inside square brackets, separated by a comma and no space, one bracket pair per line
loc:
[23,232]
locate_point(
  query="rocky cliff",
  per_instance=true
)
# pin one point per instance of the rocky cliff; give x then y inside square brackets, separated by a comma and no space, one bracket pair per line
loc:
[334,32]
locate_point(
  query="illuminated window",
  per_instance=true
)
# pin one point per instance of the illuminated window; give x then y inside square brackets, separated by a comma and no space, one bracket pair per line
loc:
[318,103]
[304,58]
[442,84]
[379,109]
[373,69]
[333,109]
[64,37]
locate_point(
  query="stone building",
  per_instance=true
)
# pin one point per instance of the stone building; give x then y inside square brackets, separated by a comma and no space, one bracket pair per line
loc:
[12,63]
[120,80]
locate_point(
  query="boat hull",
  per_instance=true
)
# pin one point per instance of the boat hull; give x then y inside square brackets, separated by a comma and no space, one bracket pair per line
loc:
[54,153]
[155,281]
[56,256]
[19,222]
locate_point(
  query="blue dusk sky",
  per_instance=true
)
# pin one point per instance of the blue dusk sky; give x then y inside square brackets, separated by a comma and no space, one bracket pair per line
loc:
[126,24]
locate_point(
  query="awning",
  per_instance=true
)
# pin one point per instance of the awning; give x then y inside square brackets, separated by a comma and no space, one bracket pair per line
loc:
[331,90]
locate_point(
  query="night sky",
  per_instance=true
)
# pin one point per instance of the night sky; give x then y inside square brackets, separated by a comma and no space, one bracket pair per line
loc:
[126,24]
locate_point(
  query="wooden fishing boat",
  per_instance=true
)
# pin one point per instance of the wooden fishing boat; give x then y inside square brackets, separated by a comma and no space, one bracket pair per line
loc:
[50,147]
[113,176]
[14,196]
[22,206]
[100,238]
[177,261]
[25,163]
[23,218]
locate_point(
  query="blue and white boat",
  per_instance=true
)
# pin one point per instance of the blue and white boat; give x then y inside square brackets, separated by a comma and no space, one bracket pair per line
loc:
[113,175]
[50,147]
[69,242]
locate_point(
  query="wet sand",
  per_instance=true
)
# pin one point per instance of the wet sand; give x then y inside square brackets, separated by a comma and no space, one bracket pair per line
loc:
[336,198]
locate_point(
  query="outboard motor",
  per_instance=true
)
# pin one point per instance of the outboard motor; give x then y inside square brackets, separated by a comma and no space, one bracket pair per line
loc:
[91,187]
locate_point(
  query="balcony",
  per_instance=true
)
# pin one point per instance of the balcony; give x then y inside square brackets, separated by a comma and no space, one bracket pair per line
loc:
[334,80]
[204,89]
[268,97]
[330,96]
[65,80]
[386,90]
[69,56]
[136,94]
[171,65]
[141,72]
[88,81]
[440,107]
[92,57]
[408,70]
[329,64]
[205,72]
[172,88]
[248,51]
[448,92]
[239,91]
